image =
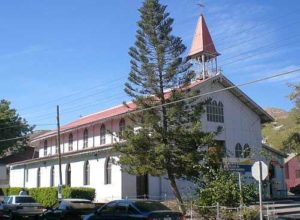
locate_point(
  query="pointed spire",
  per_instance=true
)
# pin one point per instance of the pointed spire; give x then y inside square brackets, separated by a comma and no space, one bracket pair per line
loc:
[202,42]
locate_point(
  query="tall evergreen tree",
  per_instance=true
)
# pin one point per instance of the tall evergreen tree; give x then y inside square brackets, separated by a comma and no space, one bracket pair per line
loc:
[12,126]
[169,138]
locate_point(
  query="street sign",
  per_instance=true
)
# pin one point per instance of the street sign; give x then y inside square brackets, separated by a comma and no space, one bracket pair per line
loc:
[242,165]
[255,170]
[260,172]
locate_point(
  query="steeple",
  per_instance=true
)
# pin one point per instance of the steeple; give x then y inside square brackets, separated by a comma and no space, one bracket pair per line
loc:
[203,49]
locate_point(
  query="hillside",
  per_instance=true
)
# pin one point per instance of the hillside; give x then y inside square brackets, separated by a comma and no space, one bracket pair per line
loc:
[285,123]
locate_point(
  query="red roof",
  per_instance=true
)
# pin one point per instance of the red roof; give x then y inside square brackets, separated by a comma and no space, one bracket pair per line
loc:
[115,111]
[122,109]
[108,113]
[202,41]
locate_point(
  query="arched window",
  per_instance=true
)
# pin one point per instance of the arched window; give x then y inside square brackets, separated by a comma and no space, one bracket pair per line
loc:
[238,150]
[38,178]
[85,138]
[102,134]
[215,111]
[68,175]
[220,112]
[247,151]
[122,126]
[26,174]
[52,176]
[56,146]
[107,171]
[45,148]
[86,173]
[70,142]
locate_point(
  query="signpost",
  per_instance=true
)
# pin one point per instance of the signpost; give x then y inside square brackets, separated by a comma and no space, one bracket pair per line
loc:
[260,172]
[59,192]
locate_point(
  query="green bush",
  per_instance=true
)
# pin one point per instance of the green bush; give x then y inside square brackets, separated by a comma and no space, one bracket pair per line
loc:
[79,192]
[9,191]
[223,188]
[47,196]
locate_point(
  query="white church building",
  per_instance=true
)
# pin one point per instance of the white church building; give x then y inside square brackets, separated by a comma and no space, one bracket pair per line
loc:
[86,143]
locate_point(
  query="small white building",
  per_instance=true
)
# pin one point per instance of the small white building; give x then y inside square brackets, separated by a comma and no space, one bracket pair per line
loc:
[86,143]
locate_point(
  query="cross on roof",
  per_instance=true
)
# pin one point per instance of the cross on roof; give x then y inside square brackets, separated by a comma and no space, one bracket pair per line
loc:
[201,6]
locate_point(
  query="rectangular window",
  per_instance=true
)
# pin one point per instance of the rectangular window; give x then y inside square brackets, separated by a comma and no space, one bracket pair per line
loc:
[298,174]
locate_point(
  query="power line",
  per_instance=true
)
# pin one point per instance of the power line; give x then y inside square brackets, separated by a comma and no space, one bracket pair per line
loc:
[208,93]
[11,139]
[19,126]
[64,97]
[217,91]
[93,94]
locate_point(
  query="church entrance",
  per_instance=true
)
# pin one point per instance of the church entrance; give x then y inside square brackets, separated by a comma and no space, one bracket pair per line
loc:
[142,186]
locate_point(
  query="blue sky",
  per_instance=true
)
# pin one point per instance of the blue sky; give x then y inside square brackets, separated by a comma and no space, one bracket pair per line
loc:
[75,53]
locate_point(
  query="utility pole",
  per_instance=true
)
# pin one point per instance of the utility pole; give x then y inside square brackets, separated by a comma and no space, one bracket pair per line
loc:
[58,143]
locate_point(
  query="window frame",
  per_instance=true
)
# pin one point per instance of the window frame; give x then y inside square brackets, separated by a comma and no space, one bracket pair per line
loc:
[38,178]
[108,171]
[68,175]
[215,111]
[102,134]
[70,142]
[238,151]
[122,126]
[86,173]
[45,148]
[85,138]
[52,176]
[246,151]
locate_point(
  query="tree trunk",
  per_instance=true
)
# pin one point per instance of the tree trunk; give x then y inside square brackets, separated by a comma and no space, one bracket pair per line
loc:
[176,193]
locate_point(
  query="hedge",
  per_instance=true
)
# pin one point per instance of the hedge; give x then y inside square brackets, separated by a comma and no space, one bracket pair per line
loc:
[47,196]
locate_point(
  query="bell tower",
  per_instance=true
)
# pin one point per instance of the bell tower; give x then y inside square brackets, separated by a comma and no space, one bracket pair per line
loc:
[203,51]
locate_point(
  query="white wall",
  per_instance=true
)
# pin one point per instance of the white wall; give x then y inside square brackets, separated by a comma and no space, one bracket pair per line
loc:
[104,192]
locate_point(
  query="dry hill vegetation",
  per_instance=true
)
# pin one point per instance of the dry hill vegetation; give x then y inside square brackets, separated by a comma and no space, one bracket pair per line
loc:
[284,125]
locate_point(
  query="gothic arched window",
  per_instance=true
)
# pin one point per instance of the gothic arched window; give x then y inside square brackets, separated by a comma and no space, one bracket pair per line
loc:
[215,111]
[247,151]
[85,138]
[102,134]
[86,173]
[38,178]
[68,175]
[45,148]
[122,126]
[238,150]
[52,176]
[107,171]
[70,142]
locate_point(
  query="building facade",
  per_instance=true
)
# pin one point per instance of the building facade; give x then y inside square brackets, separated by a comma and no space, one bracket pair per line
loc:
[292,171]
[87,159]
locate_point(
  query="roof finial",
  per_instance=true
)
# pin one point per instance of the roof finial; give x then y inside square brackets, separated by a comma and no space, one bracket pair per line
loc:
[201,6]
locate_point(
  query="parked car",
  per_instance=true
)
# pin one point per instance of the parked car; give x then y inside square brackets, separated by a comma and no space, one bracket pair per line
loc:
[69,209]
[15,207]
[133,210]
[1,211]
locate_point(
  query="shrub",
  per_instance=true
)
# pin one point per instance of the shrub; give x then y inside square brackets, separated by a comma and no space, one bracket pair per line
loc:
[9,191]
[223,188]
[79,192]
[47,196]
